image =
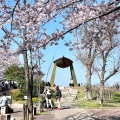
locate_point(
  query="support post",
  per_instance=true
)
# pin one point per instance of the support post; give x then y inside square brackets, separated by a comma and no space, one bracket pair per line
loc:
[73,75]
[53,75]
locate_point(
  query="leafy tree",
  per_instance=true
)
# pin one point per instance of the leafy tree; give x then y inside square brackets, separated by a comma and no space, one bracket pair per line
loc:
[16,73]
[35,87]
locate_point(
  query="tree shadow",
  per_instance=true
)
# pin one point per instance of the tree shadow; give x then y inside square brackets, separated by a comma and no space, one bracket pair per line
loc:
[95,116]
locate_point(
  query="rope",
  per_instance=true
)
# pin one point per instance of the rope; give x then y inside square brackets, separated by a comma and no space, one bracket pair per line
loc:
[50,67]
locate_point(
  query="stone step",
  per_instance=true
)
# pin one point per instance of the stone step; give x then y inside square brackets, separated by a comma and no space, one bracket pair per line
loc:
[64,90]
[71,98]
[73,91]
[62,99]
[65,93]
[68,94]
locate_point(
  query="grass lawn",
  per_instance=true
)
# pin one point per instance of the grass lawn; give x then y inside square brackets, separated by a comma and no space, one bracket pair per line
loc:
[108,103]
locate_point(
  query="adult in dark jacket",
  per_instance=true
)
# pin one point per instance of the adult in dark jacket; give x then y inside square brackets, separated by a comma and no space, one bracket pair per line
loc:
[58,97]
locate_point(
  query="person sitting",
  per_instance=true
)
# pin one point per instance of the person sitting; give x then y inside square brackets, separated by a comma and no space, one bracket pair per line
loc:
[3,101]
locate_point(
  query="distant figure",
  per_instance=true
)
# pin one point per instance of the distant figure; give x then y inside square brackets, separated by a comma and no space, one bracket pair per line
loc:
[3,86]
[58,97]
[6,85]
[14,85]
[117,87]
[79,84]
[71,82]
[4,100]
[10,84]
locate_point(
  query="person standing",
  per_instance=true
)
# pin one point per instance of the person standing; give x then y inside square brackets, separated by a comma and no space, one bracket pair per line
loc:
[58,97]
[48,97]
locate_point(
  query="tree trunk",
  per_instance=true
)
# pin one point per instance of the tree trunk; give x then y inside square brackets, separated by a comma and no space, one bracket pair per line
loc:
[101,92]
[27,76]
[28,86]
[88,91]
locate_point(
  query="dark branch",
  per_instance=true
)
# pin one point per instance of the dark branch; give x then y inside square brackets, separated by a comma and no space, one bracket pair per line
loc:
[104,14]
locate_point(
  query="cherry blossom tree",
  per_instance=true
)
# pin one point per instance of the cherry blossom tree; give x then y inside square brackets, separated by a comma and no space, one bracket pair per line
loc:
[98,39]
[86,52]
[109,58]
[28,33]
[108,66]
[24,24]
[79,14]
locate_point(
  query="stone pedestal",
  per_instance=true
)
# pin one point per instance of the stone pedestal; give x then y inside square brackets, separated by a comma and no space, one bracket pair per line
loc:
[5,117]
[4,110]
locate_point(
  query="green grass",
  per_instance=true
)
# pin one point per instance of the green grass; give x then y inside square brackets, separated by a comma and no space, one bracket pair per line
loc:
[87,104]
[19,101]
[95,104]
[108,103]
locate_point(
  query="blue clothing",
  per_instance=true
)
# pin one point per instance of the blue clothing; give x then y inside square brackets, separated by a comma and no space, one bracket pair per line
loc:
[4,101]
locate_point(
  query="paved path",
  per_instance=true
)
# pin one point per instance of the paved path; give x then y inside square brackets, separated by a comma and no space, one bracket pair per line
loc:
[87,114]
[71,113]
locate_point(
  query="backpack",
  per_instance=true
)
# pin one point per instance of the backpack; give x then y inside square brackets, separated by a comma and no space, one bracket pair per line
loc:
[48,96]
[58,94]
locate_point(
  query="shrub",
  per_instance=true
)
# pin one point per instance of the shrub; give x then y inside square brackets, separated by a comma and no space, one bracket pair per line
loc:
[35,100]
[17,96]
